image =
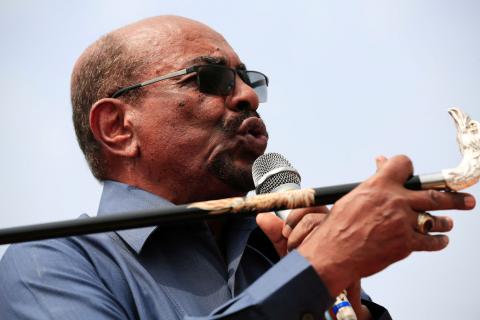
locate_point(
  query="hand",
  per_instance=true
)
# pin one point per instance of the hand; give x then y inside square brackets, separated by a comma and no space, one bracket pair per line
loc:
[354,297]
[279,231]
[375,225]
[287,235]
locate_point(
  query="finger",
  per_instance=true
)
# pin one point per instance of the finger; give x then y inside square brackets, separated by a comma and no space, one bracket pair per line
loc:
[442,224]
[353,293]
[297,214]
[353,289]
[427,242]
[304,228]
[272,226]
[429,200]
[398,168]
[439,223]
[380,162]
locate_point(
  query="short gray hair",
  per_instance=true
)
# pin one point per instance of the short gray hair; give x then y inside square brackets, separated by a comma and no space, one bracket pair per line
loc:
[106,66]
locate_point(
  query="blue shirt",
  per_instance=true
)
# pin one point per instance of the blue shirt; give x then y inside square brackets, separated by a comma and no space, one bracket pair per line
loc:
[174,271]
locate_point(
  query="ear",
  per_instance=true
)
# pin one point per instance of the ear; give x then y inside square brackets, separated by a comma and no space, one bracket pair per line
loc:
[111,126]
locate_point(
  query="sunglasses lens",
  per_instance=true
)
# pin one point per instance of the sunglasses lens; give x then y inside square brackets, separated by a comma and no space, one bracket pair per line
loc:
[220,80]
[216,80]
[259,83]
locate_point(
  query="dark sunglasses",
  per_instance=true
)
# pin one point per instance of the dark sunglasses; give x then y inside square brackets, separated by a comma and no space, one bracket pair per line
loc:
[212,79]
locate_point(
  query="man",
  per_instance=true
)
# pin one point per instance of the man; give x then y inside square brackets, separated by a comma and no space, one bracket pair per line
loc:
[165,113]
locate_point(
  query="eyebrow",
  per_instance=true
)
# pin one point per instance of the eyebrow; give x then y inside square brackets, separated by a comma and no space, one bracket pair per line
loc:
[241,66]
[210,60]
[222,61]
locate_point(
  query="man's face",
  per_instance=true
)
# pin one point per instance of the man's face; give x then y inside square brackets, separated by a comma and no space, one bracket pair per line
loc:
[190,137]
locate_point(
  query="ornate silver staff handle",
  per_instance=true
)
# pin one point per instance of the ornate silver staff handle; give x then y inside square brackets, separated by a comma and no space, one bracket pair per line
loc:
[464,175]
[467,173]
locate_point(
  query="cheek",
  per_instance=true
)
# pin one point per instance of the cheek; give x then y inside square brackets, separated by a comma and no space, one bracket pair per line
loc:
[190,124]
[203,112]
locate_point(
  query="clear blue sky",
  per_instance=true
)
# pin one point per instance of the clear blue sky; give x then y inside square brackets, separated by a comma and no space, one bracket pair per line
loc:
[349,80]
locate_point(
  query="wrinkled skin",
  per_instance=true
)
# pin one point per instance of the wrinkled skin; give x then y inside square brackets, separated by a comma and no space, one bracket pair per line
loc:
[176,136]
[367,230]
[185,146]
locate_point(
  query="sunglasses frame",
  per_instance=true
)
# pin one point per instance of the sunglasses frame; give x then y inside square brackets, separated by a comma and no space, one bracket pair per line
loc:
[242,73]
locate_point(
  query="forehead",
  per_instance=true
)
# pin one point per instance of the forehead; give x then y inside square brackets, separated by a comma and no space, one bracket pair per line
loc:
[176,45]
[193,51]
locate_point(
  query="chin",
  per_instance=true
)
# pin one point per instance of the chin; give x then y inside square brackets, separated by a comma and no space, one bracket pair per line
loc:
[236,174]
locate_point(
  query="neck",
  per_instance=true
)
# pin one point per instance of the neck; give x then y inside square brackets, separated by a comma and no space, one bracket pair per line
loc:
[181,191]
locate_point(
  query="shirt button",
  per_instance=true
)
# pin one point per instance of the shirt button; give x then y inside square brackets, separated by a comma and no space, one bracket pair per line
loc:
[307,316]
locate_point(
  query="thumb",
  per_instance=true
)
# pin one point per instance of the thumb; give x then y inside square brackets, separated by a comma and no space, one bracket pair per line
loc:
[272,226]
[353,292]
[380,161]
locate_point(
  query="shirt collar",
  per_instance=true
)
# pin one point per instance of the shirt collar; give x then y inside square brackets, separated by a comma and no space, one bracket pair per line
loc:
[119,197]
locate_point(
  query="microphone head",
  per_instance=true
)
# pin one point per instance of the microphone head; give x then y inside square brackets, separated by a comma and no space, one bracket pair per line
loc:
[272,171]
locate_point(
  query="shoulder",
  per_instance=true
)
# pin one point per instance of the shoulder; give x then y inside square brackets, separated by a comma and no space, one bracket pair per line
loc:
[63,278]
[50,258]
[55,277]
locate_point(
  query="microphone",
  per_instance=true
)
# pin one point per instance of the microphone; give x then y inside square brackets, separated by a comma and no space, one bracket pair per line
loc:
[272,172]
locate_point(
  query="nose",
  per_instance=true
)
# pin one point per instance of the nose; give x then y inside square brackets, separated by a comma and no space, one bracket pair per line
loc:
[243,97]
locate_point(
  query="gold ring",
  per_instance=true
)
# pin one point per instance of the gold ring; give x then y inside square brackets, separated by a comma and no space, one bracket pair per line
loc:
[424,222]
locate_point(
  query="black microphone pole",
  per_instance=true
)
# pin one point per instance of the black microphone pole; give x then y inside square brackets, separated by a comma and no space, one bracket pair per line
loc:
[187,212]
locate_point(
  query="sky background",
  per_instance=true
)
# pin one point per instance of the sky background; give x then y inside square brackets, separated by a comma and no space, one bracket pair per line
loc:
[349,80]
